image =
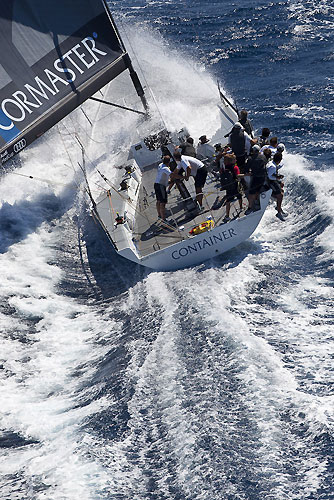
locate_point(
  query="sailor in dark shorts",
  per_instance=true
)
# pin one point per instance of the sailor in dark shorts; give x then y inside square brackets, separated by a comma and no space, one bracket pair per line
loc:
[160,186]
[229,176]
[200,177]
[240,143]
[256,166]
[192,167]
[275,183]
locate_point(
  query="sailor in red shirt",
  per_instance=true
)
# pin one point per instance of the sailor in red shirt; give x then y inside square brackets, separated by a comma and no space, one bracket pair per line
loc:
[229,176]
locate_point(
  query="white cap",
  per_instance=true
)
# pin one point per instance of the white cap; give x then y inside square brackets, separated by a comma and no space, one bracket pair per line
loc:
[280,147]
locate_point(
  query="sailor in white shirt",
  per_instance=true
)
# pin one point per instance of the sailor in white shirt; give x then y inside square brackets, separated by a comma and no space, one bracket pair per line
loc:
[272,146]
[272,149]
[273,168]
[275,184]
[204,150]
[160,186]
[192,167]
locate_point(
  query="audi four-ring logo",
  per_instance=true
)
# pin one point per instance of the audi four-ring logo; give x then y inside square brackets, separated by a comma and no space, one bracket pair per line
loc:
[18,146]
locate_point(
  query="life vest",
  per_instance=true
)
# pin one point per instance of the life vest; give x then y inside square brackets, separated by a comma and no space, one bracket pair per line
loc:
[201,228]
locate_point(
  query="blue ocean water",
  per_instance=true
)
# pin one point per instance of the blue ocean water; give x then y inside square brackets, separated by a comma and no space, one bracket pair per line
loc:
[211,383]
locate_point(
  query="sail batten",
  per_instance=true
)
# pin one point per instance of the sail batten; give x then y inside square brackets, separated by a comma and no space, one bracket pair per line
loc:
[53,58]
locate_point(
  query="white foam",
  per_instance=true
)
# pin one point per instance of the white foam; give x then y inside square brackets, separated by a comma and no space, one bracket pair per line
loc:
[323,184]
[267,388]
[38,395]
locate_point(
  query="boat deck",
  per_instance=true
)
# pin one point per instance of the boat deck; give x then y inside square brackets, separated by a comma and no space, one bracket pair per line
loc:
[151,233]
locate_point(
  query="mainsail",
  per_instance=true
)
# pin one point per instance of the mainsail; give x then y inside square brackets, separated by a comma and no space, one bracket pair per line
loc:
[55,54]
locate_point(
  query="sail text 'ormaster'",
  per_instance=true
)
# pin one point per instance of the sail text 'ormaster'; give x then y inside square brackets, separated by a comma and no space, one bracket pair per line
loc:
[76,60]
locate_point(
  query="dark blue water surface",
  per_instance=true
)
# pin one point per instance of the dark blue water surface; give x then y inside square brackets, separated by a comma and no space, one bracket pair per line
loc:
[211,383]
[269,56]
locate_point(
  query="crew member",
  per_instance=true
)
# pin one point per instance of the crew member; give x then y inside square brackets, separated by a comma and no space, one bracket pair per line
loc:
[187,148]
[243,119]
[240,143]
[204,150]
[256,166]
[192,167]
[264,137]
[229,176]
[274,183]
[160,186]
[273,143]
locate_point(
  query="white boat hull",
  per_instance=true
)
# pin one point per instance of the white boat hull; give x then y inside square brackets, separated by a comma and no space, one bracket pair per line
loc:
[138,235]
[196,249]
[204,246]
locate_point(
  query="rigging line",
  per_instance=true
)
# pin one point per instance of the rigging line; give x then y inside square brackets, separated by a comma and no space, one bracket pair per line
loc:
[101,188]
[86,189]
[54,183]
[112,208]
[223,96]
[76,125]
[40,179]
[87,117]
[83,169]
[127,200]
[65,147]
[96,121]
[75,136]
[78,140]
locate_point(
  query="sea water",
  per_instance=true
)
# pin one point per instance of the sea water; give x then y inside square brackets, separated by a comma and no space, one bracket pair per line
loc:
[211,383]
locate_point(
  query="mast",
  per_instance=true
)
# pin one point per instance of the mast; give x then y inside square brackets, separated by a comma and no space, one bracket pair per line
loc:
[134,77]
